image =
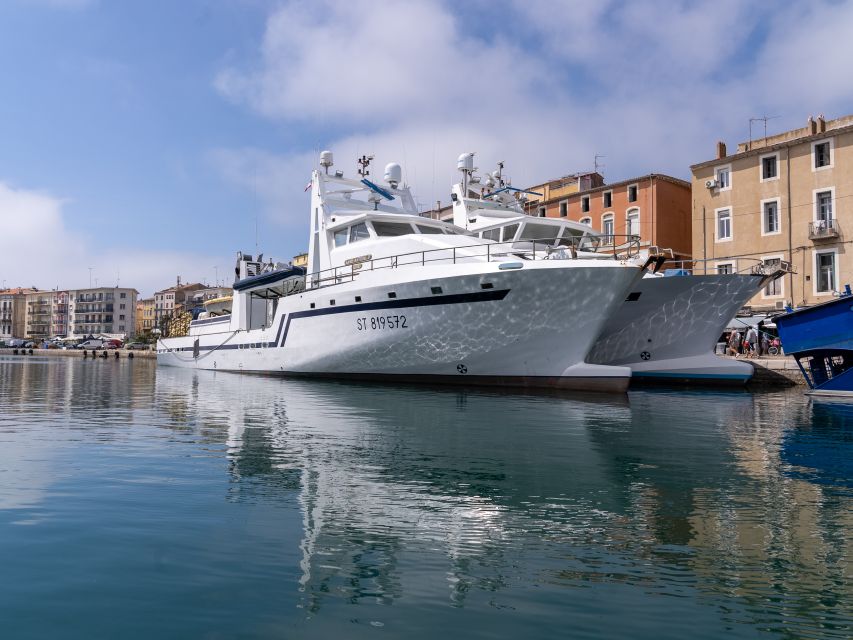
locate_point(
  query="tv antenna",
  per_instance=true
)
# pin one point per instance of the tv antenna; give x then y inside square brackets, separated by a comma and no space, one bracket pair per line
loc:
[363,163]
[597,164]
[763,119]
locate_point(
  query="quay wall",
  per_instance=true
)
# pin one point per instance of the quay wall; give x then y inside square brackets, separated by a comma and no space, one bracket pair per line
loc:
[78,353]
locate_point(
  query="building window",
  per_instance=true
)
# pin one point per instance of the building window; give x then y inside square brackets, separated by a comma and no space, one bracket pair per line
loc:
[774,287]
[122,295]
[564,208]
[632,193]
[770,217]
[823,208]
[769,167]
[724,177]
[822,155]
[585,204]
[825,268]
[724,225]
[607,226]
[541,212]
[632,226]
[608,199]
[587,221]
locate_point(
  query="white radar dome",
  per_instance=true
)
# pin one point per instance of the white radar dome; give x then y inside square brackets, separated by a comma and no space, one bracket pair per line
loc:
[393,174]
[326,159]
[465,162]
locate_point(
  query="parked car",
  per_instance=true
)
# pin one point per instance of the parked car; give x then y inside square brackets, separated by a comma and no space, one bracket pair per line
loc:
[16,343]
[90,344]
[137,346]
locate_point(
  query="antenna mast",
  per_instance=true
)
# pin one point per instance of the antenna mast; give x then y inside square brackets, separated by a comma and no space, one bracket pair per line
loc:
[763,119]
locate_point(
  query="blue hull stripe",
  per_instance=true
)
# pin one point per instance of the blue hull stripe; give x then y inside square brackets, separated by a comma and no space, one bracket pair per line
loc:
[284,327]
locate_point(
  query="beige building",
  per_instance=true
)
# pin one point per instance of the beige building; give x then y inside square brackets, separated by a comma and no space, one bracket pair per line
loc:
[786,197]
[102,310]
[13,313]
[167,301]
[47,315]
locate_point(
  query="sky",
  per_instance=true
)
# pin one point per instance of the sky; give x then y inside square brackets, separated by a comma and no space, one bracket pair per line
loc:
[142,141]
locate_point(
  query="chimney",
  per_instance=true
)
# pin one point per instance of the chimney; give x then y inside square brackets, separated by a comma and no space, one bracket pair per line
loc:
[721,149]
[811,127]
[821,124]
[179,282]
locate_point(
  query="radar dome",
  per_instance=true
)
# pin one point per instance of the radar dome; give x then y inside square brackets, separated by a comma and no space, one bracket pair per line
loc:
[393,174]
[465,162]
[326,159]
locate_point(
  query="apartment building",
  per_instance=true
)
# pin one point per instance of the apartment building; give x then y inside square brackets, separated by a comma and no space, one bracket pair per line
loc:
[46,315]
[13,313]
[168,300]
[144,315]
[561,188]
[102,310]
[785,197]
[655,207]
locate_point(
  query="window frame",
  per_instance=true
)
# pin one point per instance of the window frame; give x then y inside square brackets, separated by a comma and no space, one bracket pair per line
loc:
[607,199]
[731,235]
[816,203]
[761,159]
[816,272]
[588,220]
[728,169]
[636,187]
[765,201]
[585,204]
[542,212]
[779,281]
[717,266]
[608,217]
[815,144]
[628,213]
[564,208]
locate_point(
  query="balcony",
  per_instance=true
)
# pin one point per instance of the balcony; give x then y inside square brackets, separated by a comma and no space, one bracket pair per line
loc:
[824,229]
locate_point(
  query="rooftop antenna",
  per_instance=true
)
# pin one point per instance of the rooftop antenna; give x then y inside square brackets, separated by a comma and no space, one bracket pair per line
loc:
[597,164]
[363,163]
[90,276]
[763,119]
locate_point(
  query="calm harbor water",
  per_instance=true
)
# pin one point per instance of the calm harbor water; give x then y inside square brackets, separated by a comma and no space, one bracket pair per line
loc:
[140,503]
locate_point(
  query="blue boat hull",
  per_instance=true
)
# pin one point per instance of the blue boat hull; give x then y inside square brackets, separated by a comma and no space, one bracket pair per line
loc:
[821,340]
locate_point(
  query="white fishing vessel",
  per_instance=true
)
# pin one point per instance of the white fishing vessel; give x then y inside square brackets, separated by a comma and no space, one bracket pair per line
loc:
[391,295]
[669,322]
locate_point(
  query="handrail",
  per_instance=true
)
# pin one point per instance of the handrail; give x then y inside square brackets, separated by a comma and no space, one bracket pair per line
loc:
[542,249]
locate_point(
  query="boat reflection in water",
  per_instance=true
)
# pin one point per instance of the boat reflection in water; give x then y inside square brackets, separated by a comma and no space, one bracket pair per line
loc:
[524,502]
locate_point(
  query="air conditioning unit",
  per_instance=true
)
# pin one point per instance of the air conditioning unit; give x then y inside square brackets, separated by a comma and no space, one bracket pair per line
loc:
[710,184]
[780,304]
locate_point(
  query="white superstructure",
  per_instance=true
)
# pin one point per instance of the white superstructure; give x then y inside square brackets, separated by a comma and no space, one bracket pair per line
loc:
[389,294]
[669,323]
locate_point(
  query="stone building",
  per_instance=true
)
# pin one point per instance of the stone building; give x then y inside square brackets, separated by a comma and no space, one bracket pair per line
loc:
[784,197]
[46,315]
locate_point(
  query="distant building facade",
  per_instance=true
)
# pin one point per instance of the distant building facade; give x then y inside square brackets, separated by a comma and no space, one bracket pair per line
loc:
[655,207]
[785,197]
[13,313]
[145,315]
[110,310]
[168,300]
[46,315]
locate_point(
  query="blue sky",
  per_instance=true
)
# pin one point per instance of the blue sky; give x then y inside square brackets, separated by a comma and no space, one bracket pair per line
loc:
[145,139]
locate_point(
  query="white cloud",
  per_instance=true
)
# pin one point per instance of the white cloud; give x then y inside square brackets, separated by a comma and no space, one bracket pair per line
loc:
[38,250]
[543,85]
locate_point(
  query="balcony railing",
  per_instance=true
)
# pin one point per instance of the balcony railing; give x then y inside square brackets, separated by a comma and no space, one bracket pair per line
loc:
[823,229]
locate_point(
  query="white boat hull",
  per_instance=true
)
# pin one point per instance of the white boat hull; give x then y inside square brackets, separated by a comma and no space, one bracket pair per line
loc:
[669,330]
[532,327]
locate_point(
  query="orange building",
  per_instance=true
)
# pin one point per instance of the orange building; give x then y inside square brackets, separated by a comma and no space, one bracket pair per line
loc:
[655,207]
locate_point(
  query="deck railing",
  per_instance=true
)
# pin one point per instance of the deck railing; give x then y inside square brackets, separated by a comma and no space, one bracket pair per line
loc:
[616,247]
